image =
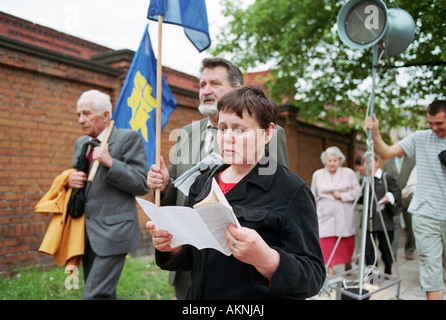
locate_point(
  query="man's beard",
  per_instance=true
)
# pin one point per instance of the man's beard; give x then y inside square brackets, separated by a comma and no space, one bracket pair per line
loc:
[208,110]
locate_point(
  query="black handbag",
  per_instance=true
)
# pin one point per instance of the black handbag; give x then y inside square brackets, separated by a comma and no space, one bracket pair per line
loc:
[76,204]
[442,158]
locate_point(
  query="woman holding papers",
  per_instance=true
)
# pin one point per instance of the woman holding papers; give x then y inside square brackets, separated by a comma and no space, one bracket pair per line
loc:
[275,251]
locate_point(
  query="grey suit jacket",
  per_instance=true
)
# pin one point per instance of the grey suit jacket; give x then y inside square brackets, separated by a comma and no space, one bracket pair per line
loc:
[112,225]
[189,150]
[403,176]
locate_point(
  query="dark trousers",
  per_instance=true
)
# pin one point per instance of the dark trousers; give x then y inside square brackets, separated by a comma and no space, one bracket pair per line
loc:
[386,252]
[101,274]
[181,280]
[409,246]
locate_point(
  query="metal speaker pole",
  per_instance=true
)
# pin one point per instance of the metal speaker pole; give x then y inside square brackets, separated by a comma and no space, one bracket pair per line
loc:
[369,23]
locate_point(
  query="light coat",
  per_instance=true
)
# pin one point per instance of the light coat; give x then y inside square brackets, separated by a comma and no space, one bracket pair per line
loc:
[335,216]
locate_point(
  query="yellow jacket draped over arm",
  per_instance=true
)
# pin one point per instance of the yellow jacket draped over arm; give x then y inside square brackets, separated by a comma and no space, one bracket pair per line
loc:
[65,236]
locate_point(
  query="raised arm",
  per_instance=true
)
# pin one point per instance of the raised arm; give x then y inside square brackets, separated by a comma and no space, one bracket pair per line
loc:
[382,149]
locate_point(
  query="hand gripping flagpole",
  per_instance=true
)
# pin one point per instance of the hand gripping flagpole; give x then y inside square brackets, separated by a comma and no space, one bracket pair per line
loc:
[95,166]
[158,105]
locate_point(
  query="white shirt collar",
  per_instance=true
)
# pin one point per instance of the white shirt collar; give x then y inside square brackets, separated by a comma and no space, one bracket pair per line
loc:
[378,173]
[209,125]
[100,136]
[210,140]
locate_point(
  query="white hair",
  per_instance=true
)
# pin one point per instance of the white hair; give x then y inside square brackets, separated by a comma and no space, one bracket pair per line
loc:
[101,101]
[333,151]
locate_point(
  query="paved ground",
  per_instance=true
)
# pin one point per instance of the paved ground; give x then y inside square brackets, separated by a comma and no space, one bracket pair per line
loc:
[406,271]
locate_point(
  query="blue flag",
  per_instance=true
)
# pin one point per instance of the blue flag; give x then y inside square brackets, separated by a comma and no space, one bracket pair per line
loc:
[190,14]
[136,107]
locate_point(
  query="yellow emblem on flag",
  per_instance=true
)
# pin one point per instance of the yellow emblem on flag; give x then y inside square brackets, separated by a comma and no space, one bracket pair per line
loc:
[142,103]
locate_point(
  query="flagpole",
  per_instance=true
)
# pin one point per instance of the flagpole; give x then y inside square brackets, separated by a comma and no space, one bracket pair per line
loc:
[159,74]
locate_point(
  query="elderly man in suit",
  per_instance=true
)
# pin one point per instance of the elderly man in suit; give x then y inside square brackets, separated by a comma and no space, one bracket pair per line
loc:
[111,221]
[197,140]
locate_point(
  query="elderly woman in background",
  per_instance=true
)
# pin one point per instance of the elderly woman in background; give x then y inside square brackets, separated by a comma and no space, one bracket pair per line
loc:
[335,189]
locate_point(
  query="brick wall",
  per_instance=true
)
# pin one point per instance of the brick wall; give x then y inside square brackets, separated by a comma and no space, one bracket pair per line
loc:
[44,37]
[38,128]
[305,143]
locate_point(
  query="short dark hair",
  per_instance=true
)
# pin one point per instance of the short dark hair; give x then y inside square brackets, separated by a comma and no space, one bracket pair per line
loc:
[252,99]
[436,107]
[235,76]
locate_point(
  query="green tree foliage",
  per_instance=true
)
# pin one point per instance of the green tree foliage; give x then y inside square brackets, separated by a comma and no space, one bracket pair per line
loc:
[312,68]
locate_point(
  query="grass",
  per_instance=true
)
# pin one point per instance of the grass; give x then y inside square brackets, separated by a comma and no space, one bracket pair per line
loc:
[141,279]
